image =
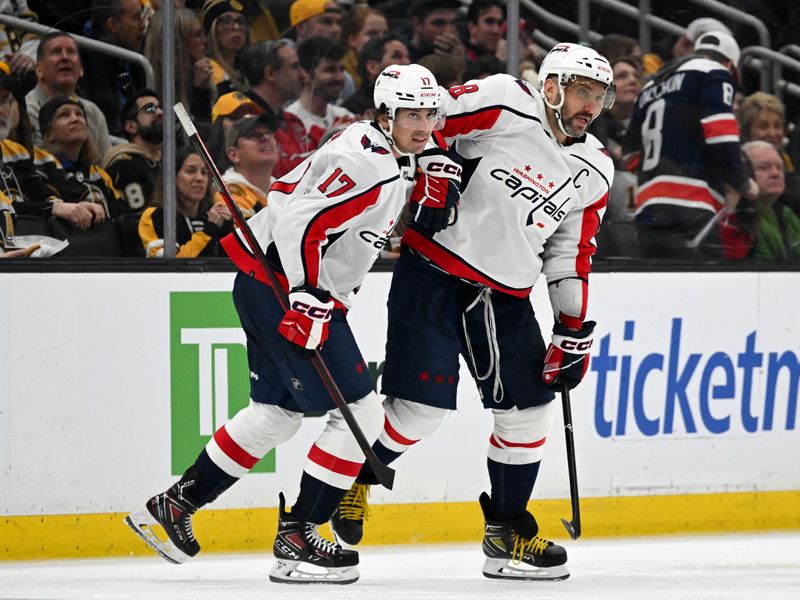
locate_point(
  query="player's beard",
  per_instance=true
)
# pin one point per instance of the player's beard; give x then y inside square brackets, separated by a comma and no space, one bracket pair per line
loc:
[152,134]
[574,131]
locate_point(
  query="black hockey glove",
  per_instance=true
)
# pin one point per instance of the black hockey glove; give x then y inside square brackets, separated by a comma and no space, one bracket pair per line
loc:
[567,357]
[435,196]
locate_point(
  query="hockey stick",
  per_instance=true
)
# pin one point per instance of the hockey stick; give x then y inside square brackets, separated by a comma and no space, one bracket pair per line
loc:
[573,527]
[384,473]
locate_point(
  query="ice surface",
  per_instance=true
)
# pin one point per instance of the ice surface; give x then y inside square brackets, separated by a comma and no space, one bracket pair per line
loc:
[702,567]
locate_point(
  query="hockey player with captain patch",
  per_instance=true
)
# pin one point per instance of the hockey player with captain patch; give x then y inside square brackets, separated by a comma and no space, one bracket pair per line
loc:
[319,233]
[534,189]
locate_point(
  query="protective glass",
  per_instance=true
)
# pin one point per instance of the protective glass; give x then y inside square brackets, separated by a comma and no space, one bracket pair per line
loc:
[581,91]
[424,118]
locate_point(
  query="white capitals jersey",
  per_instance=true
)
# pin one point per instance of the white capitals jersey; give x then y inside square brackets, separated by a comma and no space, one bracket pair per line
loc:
[326,220]
[528,203]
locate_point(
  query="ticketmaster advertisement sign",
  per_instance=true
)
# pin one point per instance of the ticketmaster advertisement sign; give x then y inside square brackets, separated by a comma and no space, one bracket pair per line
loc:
[693,387]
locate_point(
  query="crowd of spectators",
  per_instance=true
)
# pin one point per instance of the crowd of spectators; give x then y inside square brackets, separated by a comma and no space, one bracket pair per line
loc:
[268,81]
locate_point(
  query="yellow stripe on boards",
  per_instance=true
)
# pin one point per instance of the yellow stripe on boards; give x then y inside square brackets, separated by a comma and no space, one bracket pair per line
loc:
[253,530]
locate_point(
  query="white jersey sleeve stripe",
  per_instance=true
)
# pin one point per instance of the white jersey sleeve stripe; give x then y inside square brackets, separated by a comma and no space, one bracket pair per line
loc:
[329,219]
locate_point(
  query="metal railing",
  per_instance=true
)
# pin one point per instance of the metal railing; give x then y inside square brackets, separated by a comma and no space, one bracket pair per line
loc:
[560,23]
[734,14]
[168,162]
[647,21]
[761,59]
[89,44]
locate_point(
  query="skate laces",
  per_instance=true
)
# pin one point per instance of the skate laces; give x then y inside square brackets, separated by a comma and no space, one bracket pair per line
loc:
[534,545]
[317,541]
[187,510]
[354,506]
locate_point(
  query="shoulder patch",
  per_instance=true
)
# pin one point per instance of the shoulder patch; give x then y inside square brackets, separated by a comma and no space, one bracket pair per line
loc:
[524,87]
[370,145]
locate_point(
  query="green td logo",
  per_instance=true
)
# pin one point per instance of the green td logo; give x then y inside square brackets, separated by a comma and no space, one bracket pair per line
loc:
[209,376]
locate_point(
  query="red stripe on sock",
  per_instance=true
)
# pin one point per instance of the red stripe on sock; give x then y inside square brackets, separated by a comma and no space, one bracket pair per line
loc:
[493,440]
[392,433]
[333,463]
[233,450]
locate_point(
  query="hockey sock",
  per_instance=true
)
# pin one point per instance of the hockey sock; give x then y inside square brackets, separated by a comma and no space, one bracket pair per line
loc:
[385,455]
[512,486]
[317,500]
[211,481]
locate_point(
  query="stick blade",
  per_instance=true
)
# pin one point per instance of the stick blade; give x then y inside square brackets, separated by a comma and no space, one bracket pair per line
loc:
[574,530]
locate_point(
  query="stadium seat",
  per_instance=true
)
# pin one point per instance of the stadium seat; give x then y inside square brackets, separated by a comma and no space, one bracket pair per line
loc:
[101,240]
[29,225]
[128,227]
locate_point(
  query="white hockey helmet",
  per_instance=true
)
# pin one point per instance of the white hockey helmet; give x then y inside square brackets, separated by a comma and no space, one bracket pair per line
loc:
[567,61]
[406,86]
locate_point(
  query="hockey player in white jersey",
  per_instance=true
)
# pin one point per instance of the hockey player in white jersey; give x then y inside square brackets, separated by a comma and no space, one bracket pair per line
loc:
[534,188]
[324,226]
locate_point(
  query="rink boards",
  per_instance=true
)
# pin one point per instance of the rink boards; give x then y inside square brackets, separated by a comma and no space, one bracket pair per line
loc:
[111,383]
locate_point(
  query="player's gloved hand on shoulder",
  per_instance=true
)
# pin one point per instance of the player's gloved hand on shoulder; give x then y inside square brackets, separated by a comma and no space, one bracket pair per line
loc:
[435,196]
[305,324]
[567,357]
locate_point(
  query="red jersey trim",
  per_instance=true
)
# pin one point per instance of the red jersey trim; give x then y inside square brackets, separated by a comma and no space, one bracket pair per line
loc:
[589,228]
[244,260]
[317,230]
[722,127]
[233,450]
[679,191]
[393,433]
[453,264]
[464,123]
[499,442]
[287,187]
[333,463]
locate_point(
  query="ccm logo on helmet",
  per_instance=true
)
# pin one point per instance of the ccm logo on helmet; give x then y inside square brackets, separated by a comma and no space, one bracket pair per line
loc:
[392,74]
[315,312]
[447,168]
[579,346]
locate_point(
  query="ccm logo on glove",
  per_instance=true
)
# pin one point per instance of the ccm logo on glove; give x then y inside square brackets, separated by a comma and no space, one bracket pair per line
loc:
[448,168]
[306,322]
[567,357]
[435,195]
[575,345]
[318,313]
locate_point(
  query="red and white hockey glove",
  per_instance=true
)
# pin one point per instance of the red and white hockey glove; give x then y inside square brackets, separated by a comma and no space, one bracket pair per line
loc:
[435,196]
[567,357]
[305,324]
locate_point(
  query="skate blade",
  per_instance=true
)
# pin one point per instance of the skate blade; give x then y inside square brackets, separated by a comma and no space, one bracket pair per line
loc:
[500,568]
[142,523]
[298,572]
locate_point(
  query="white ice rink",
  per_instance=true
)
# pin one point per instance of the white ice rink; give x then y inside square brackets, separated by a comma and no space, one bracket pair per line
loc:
[691,568]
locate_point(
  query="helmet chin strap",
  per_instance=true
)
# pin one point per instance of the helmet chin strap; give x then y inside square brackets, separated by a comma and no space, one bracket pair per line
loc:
[390,139]
[557,108]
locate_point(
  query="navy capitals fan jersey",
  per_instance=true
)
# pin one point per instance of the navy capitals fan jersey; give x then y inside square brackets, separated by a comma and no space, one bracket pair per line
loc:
[529,204]
[683,140]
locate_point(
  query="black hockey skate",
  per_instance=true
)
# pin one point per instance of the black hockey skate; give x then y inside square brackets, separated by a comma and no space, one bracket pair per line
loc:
[348,520]
[172,511]
[514,550]
[303,556]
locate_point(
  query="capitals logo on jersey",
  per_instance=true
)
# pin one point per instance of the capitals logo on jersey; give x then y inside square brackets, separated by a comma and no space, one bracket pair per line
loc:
[537,189]
[369,145]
